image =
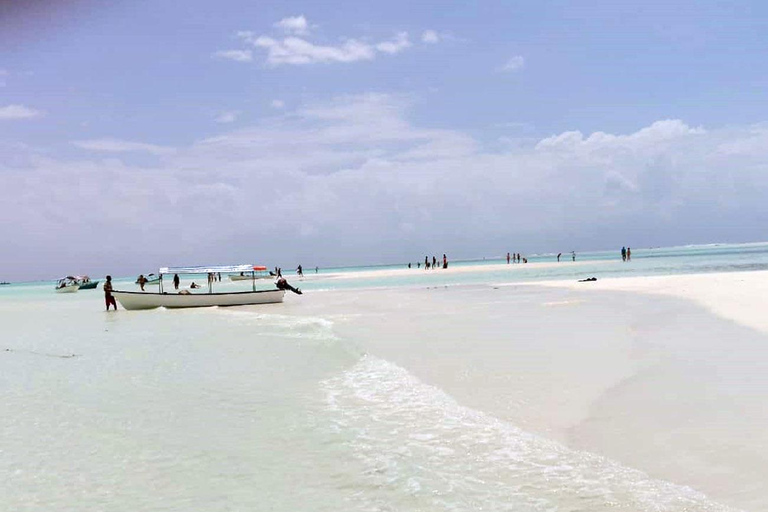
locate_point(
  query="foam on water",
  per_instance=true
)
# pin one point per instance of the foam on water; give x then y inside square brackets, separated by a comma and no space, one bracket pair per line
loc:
[315,328]
[420,449]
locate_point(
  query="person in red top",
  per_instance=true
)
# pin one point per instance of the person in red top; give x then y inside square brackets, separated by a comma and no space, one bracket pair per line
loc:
[108,298]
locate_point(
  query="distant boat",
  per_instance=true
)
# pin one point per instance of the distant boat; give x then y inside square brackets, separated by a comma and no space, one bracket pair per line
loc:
[85,282]
[258,272]
[67,285]
[4,282]
[188,299]
[150,279]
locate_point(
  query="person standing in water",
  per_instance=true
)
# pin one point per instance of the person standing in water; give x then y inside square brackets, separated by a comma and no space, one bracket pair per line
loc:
[573,255]
[623,254]
[176,281]
[558,256]
[629,254]
[142,281]
[507,258]
[108,297]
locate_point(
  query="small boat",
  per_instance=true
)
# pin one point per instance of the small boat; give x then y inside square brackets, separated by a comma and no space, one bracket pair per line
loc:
[150,279]
[85,283]
[258,272]
[4,282]
[67,285]
[189,299]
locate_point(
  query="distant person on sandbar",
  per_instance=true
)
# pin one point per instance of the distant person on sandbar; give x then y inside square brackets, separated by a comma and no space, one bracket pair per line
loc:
[445,261]
[507,258]
[573,255]
[316,268]
[629,254]
[558,256]
[623,254]
[108,298]
[176,281]
[426,262]
[409,264]
[300,271]
[142,281]
[434,262]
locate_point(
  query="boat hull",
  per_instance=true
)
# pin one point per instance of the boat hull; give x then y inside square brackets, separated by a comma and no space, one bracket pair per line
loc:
[89,286]
[68,289]
[141,300]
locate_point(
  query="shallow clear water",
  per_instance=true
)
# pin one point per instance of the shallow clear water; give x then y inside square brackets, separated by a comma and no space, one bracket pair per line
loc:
[279,408]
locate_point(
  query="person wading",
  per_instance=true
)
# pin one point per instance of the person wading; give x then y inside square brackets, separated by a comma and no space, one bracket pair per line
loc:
[108,298]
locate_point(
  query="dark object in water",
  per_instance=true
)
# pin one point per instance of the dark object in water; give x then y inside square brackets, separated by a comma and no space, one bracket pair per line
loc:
[589,279]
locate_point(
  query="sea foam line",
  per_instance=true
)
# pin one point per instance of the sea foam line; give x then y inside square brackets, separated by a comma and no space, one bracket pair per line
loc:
[417,441]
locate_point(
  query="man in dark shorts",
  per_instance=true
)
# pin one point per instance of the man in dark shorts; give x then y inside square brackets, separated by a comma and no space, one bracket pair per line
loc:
[108,298]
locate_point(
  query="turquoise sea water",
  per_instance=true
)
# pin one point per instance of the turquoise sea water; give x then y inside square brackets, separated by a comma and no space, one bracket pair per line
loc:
[645,262]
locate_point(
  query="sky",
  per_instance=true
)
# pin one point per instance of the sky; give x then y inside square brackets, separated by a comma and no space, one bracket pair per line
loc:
[141,134]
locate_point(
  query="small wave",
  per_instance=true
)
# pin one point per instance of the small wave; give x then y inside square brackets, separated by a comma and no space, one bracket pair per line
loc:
[416,441]
[285,325]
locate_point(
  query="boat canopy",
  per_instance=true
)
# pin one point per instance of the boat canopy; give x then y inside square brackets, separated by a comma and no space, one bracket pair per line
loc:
[210,270]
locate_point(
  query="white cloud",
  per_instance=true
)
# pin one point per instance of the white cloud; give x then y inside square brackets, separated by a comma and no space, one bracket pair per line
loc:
[430,37]
[122,146]
[277,103]
[227,117]
[236,55]
[396,45]
[516,63]
[357,169]
[293,50]
[18,112]
[296,25]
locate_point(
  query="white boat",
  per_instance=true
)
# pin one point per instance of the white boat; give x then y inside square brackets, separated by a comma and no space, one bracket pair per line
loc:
[67,284]
[171,300]
[257,272]
[196,299]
